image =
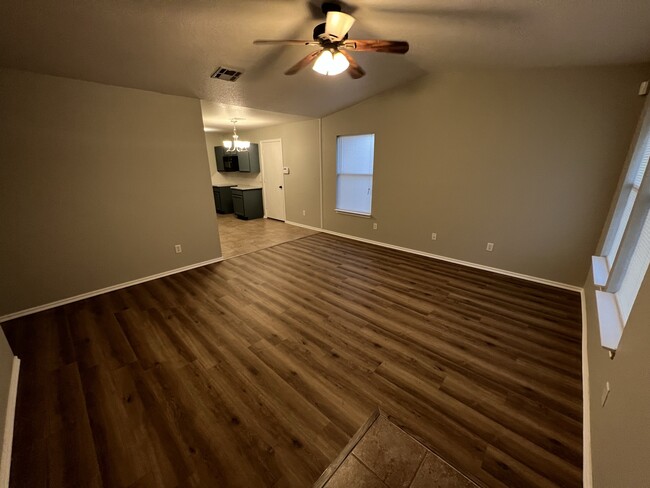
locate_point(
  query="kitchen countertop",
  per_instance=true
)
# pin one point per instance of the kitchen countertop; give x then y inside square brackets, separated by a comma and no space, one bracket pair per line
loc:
[245,187]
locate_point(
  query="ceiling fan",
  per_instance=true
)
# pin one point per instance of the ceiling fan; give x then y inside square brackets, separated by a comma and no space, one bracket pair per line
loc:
[331,37]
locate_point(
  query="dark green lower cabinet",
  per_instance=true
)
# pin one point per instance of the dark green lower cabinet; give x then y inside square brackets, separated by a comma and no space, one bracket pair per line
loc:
[247,204]
[223,199]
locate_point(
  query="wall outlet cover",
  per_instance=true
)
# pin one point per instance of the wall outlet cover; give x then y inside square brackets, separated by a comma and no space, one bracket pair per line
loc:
[374,226]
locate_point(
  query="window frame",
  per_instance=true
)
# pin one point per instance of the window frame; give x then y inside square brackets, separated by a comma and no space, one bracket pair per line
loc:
[609,276]
[352,212]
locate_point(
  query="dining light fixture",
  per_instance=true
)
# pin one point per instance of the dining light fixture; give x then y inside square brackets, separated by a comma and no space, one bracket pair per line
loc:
[331,62]
[236,145]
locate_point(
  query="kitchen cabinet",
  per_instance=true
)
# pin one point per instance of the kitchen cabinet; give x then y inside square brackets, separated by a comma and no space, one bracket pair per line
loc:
[247,202]
[223,198]
[218,154]
[249,161]
[244,162]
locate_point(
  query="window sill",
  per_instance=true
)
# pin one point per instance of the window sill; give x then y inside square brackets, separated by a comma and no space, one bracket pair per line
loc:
[609,320]
[354,214]
[600,269]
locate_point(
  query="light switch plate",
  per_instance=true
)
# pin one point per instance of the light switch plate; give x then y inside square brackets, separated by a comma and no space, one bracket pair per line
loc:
[286,170]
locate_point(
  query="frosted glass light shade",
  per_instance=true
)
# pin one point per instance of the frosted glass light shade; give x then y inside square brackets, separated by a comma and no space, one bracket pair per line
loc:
[331,64]
[227,144]
[338,24]
[339,64]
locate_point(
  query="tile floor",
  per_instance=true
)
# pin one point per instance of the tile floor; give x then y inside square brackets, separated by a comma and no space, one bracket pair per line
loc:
[243,236]
[382,455]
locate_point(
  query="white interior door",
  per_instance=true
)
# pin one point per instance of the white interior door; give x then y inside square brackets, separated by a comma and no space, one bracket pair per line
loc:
[271,159]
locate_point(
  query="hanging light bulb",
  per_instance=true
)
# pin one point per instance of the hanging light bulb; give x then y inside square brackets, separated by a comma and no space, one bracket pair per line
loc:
[331,62]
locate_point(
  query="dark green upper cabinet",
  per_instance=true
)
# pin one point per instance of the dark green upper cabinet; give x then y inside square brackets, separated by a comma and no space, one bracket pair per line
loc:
[218,152]
[244,162]
[249,161]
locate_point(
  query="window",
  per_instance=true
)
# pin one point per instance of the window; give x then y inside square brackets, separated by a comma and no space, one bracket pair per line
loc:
[354,167]
[625,255]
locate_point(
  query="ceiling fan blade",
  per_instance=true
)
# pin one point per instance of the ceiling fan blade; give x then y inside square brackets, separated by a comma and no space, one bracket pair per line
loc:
[380,46]
[303,63]
[338,24]
[354,70]
[286,42]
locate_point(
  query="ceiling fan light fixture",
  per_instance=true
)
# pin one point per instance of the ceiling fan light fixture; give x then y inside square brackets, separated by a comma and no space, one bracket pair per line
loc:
[331,62]
[338,24]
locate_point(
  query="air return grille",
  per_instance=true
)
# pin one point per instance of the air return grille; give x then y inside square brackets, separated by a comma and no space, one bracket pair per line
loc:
[226,74]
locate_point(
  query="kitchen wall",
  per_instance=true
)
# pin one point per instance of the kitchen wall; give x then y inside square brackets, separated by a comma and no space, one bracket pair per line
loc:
[213,139]
[301,154]
[526,159]
[97,185]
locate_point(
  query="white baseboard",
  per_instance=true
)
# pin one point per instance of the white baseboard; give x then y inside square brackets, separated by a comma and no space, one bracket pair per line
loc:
[7,440]
[504,272]
[93,293]
[587,473]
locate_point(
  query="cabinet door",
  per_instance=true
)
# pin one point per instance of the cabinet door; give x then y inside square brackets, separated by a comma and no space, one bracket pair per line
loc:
[244,162]
[238,204]
[249,161]
[218,154]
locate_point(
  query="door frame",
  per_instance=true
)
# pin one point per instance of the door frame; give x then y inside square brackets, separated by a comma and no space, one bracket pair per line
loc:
[263,170]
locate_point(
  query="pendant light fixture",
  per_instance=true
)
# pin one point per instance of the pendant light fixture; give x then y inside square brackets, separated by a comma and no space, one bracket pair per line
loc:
[236,145]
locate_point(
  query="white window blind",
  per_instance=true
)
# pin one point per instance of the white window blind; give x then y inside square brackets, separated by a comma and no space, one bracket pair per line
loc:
[625,256]
[619,226]
[635,272]
[354,172]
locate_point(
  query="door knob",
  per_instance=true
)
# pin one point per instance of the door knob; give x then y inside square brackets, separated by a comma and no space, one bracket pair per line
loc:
[280,187]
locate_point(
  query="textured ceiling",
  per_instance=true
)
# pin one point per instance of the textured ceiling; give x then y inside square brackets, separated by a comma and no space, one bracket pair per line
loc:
[172,46]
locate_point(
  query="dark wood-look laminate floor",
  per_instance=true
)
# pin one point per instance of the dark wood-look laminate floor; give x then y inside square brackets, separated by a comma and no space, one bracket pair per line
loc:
[256,371]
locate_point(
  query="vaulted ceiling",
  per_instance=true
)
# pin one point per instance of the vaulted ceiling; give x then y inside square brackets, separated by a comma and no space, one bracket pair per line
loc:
[172,46]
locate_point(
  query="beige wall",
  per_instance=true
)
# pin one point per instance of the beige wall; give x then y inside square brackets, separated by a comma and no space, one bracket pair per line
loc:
[620,431]
[97,185]
[301,154]
[525,159]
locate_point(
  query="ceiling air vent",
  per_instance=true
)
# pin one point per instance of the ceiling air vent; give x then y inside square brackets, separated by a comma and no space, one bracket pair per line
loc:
[226,74]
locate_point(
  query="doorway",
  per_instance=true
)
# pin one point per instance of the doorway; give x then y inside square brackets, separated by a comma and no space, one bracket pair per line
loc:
[273,178]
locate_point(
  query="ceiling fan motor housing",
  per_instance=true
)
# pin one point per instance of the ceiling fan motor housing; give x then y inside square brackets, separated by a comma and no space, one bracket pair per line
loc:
[319,31]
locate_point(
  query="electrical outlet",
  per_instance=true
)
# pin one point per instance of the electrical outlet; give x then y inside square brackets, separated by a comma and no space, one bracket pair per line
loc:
[178,249]
[304,212]
[490,246]
[605,394]
[374,226]
[434,236]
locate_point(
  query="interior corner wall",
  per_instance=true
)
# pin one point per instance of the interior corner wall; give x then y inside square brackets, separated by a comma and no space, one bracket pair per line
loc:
[526,159]
[301,154]
[97,185]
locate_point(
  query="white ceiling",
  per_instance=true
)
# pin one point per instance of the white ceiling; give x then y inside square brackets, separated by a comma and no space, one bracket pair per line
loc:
[173,46]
